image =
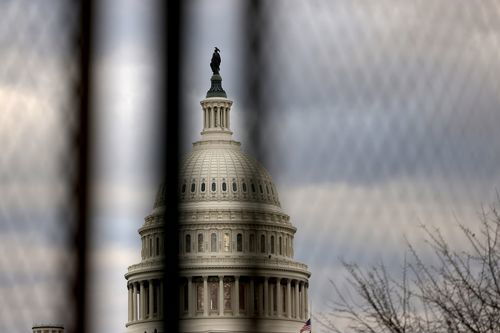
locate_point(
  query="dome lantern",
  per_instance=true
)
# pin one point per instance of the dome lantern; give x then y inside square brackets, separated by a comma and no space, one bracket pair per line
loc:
[216,107]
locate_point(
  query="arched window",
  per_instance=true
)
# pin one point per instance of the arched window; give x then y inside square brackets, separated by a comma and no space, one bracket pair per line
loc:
[234,187]
[188,243]
[253,188]
[184,188]
[157,246]
[267,189]
[244,186]
[150,247]
[214,187]
[239,242]
[272,244]
[260,188]
[213,242]
[262,244]
[224,187]
[272,191]
[193,187]
[251,243]
[280,246]
[200,242]
[203,187]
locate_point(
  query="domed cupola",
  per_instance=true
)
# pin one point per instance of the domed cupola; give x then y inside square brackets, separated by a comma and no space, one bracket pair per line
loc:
[236,254]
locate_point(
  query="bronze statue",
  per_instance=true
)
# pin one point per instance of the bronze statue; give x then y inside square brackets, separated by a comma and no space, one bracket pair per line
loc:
[215,62]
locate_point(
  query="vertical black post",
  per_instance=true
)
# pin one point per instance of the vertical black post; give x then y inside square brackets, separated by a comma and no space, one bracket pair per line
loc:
[80,179]
[173,49]
[252,77]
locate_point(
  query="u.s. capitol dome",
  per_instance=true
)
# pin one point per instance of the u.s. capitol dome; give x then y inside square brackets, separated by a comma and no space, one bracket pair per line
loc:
[236,243]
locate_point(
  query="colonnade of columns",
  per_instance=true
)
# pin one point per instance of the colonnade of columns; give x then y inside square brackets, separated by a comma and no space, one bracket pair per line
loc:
[216,117]
[244,296]
[145,300]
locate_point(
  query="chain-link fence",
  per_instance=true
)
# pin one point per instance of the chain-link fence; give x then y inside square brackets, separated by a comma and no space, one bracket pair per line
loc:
[372,118]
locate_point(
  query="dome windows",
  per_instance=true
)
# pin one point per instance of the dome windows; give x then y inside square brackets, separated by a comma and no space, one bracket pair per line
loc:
[262,244]
[272,244]
[260,188]
[251,243]
[213,242]
[188,244]
[239,243]
[200,242]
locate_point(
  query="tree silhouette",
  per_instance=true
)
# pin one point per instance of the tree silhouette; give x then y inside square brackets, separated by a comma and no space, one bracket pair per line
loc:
[458,292]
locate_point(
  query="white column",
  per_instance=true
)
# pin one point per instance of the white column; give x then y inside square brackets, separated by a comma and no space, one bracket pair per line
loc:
[129,302]
[266,297]
[228,117]
[141,301]
[134,301]
[279,300]
[297,299]
[271,300]
[221,295]
[260,305]
[237,295]
[306,303]
[190,296]
[251,298]
[151,299]
[289,298]
[160,300]
[301,297]
[205,295]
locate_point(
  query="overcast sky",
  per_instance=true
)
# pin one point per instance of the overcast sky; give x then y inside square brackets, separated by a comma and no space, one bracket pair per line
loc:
[380,116]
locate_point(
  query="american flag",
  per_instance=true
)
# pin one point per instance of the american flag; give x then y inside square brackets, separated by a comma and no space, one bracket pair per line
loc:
[307,326]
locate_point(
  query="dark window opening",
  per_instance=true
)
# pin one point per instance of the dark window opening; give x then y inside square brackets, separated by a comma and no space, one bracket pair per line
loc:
[188,243]
[234,187]
[203,187]
[244,187]
[214,187]
[183,188]
[193,187]
[239,242]
[224,187]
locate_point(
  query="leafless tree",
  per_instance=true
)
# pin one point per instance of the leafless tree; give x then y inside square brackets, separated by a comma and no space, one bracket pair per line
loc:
[459,291]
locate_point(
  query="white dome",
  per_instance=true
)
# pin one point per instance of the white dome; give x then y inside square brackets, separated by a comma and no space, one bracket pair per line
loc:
[222,172]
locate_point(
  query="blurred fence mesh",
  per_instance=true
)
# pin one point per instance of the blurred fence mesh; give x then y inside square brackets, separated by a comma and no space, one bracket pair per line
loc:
[39,162]
[372,116]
